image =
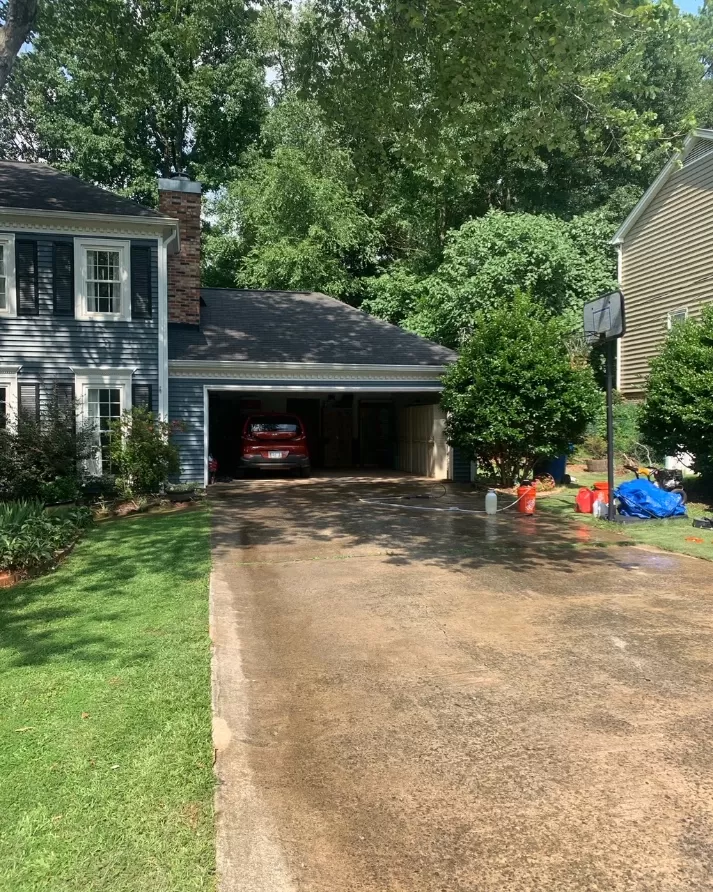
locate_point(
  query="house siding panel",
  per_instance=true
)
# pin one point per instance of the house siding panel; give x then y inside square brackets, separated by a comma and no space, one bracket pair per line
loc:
[185,404]
[48,347]
[667,264]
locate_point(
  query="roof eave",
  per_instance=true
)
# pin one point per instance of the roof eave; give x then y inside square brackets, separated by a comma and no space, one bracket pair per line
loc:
[165,225]
[658,183]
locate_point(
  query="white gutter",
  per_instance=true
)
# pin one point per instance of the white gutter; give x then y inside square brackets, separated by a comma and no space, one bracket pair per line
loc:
[182,368]
[163,322]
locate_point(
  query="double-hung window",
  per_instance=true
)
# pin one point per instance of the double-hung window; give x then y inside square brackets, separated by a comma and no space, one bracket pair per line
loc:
[103,396]
[676,316]
[8,395]
[8,306]
[102,280]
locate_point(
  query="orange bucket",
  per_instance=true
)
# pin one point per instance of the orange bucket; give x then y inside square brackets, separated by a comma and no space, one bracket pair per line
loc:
[601,493]
[527,496]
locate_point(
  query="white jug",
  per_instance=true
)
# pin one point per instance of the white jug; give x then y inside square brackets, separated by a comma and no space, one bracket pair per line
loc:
[491,502]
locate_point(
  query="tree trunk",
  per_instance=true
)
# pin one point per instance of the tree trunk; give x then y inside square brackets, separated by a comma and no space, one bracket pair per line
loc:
[19,21]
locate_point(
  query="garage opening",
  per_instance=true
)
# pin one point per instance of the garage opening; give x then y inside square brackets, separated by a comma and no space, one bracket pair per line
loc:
[368,431]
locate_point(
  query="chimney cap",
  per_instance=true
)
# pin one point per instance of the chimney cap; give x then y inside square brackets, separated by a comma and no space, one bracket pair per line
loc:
[179,183]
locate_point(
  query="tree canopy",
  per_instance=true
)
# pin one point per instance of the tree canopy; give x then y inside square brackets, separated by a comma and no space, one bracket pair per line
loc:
[118,93]
[421,158]
[562,264]
[292,220]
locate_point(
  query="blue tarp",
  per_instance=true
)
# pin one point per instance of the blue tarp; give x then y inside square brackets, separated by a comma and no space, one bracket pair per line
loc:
[640,498]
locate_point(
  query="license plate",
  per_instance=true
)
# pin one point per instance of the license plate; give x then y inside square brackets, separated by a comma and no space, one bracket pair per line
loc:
[274,454]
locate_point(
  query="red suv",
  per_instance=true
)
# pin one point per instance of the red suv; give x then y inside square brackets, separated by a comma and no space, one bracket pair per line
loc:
[274,440]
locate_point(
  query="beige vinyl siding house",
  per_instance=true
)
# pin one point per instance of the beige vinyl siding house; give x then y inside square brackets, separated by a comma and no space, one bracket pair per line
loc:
[666,258]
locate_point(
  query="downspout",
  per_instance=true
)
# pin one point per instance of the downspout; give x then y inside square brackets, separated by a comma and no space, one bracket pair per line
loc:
[619,275]
[163,245]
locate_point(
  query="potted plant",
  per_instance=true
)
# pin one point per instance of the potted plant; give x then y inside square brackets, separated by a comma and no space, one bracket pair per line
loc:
[183,492]
[595,447]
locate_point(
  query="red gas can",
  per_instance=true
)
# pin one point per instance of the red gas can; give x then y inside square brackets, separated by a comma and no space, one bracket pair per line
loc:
[527,494]
[584,501]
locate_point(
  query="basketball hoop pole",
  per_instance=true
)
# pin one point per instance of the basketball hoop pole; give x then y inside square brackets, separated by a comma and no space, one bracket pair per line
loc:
[611,346]
[605,322]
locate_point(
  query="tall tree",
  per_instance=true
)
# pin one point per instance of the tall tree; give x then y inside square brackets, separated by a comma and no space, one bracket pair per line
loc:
[419,67]
[292,219]
[489,259]
[18,18]
[452,109]
[117,92]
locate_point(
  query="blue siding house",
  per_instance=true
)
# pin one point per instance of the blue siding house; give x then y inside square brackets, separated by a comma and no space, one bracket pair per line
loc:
[83,296]
[101,302]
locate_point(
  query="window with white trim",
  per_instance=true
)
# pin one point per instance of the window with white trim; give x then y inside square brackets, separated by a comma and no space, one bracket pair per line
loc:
[102,280]
[103,396]
[8,395]
[8,296]
[676,316]
[104,408]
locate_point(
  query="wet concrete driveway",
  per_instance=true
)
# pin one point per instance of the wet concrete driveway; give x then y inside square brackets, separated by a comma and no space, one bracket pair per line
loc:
[418,701]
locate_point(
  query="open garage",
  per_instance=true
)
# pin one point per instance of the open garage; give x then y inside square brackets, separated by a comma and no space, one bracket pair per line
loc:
[344,430]
[367,392]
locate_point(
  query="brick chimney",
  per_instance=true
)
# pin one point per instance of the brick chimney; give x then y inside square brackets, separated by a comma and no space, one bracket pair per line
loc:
[181,197]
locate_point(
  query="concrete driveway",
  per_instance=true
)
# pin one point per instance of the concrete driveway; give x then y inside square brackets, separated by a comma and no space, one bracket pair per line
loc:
[418,701]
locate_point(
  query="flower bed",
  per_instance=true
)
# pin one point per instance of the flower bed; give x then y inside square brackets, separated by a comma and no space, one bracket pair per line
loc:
[33,538]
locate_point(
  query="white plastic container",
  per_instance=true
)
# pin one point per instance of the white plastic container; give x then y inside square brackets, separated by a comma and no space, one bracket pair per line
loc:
[491,502]
[600,508]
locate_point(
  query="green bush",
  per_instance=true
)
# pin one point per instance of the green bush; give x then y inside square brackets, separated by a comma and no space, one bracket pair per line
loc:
[31,536]
[63,489]
[627,435]
[102,487]
[142,453]
[42,458]
[516,395]
[594,446]
[676,416]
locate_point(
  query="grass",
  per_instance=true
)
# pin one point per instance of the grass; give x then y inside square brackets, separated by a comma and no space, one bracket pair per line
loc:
[106,775]
[669,535]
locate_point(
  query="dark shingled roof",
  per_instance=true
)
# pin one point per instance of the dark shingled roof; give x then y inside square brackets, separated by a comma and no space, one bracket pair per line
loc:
[288,326]
[42,188]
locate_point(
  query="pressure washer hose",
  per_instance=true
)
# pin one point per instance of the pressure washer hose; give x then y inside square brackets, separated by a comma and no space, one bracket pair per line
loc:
[451,509]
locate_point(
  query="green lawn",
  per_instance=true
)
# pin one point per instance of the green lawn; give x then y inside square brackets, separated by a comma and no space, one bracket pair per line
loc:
[669,535]
[106,778]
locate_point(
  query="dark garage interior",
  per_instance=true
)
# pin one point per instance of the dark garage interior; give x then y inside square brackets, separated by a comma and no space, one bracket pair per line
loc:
[344,430]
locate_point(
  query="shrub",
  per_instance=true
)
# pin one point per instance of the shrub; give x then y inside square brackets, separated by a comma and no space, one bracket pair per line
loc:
[36,454]
[676,417]
[516,395]
[31,536]
[626,428]
[63,489]
[103,487]
[594,446]
[627,435]
[142,453]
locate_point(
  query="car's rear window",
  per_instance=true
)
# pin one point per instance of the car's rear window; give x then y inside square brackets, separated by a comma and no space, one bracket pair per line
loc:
[275,424]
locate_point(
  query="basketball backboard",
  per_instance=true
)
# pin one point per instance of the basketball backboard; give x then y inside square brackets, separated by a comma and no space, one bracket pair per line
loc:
[604,318]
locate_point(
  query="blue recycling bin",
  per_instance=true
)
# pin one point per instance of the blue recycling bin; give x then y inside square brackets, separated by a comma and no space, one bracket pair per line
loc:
[556,468]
